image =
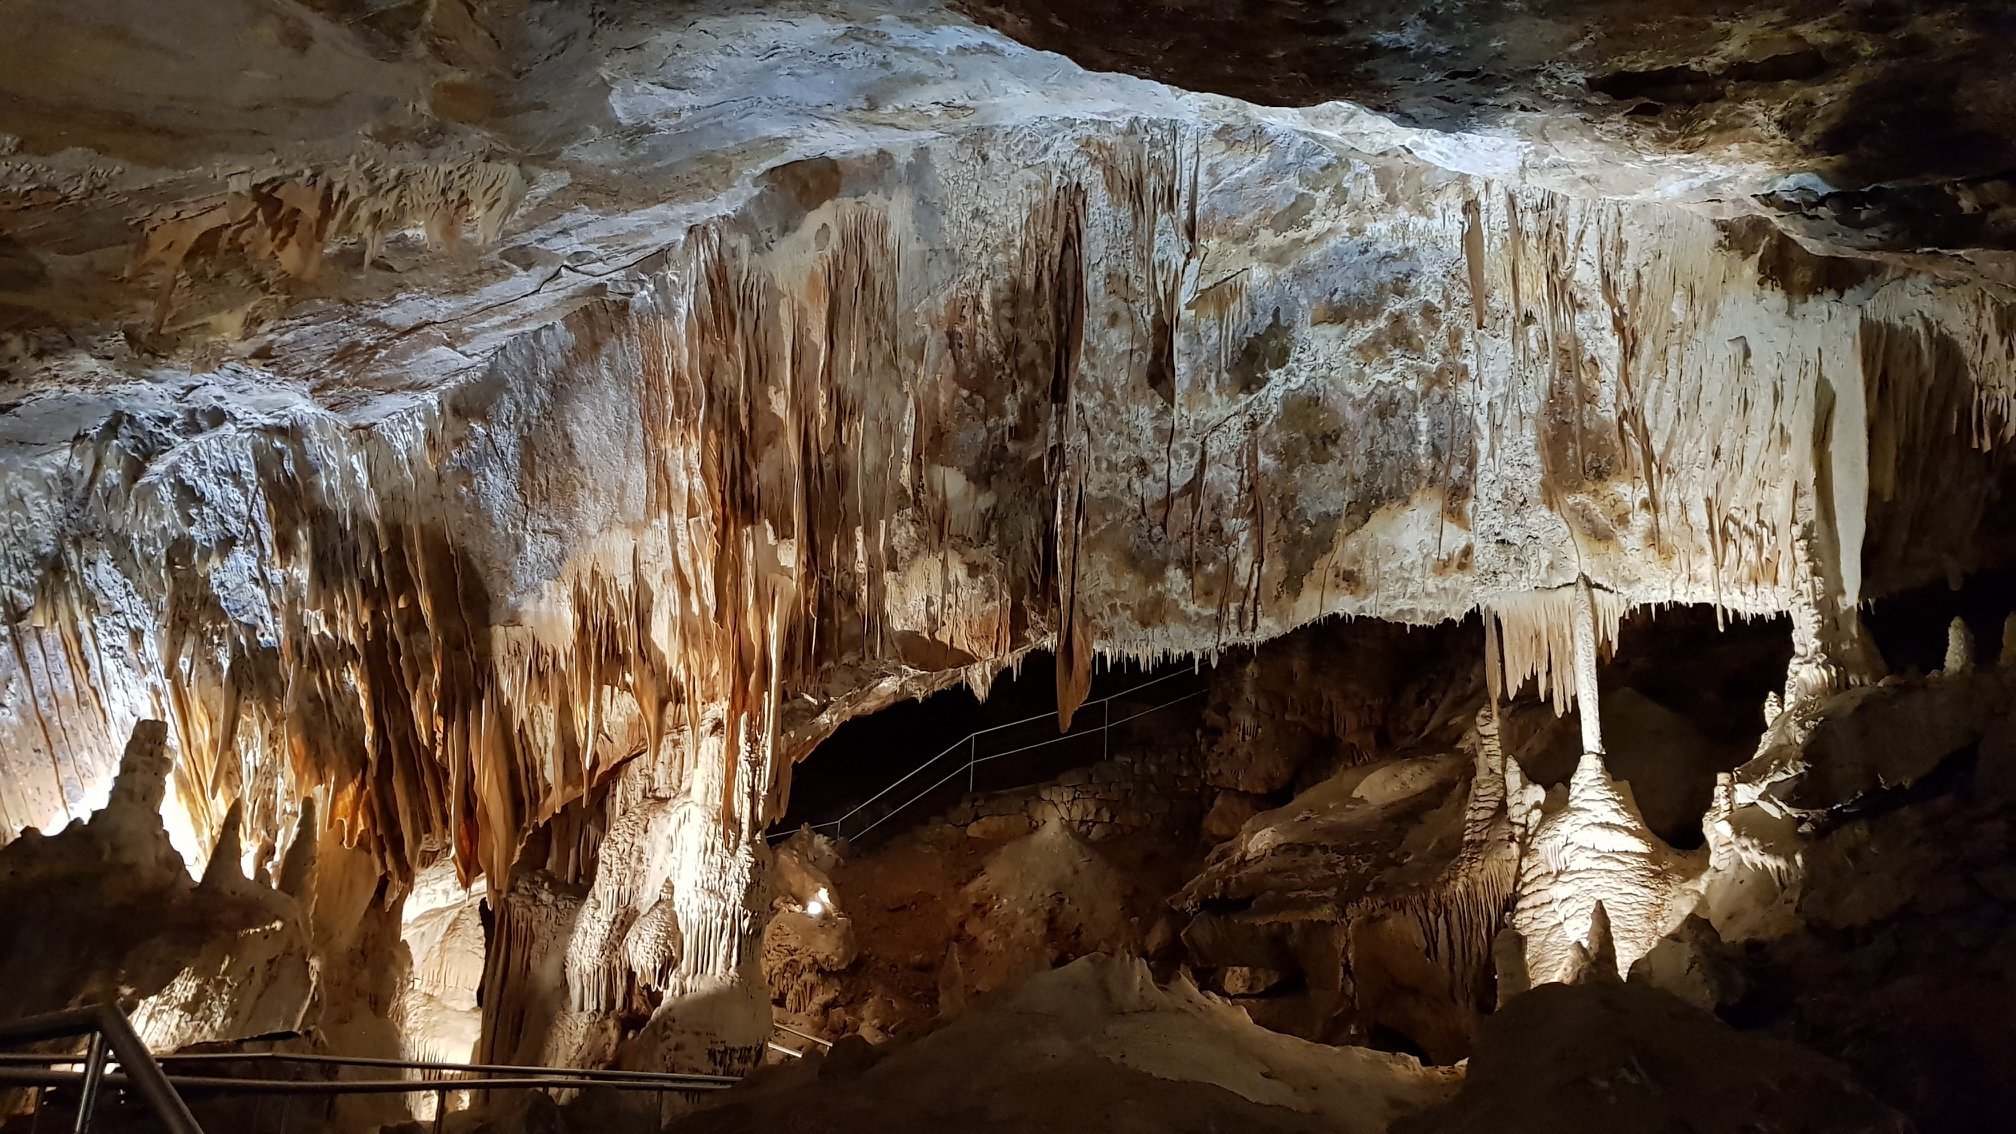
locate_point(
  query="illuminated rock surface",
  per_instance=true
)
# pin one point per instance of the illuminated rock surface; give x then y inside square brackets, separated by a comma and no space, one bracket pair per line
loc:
[500,439]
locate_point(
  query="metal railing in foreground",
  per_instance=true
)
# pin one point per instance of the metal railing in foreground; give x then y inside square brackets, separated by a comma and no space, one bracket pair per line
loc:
[837,828]
[161,1089]
[103,1028]
[792,1052]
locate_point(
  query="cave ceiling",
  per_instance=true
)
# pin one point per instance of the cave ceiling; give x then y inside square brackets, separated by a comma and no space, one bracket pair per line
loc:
[1889,123]
[439,405]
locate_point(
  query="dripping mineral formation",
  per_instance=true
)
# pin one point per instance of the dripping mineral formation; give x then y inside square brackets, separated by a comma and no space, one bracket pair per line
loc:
[1501,521]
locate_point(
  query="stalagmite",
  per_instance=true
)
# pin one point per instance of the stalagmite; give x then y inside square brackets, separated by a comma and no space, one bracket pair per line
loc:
[298,864]
[1959,648]
[1591,850]
[1830,651]
[107,912]
[438,1014]
[224,867]
[1602,947]
[526,1017]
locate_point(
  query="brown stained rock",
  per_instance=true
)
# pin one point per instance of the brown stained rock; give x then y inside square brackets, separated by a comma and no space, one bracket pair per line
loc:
[1000,828]
[799,952]
[1602,1057]
[1886,737]
[1909,904]
[1229,812]
[1040,899]
[1372,889]
[1331,695]
[1238,980]
[1092,1046]
[1691,964]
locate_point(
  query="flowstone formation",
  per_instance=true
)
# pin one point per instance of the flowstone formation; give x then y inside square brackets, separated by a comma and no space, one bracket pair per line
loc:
[1093,1045]
[499,439]
[117,919]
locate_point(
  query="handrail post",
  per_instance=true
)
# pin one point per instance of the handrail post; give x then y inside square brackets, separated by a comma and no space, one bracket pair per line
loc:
[972,759]
[1106,733]
[143,1074]
[94,1076]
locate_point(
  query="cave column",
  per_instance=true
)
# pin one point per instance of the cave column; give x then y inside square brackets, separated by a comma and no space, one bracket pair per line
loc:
[1596,888]
[1585,668]
[1830,651]
[1586,702]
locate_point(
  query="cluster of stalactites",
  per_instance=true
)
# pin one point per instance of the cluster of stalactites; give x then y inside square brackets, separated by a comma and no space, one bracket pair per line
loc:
[789,494]
[1533,637]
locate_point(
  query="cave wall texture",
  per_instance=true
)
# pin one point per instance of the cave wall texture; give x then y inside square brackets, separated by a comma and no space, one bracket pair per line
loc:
[525,428]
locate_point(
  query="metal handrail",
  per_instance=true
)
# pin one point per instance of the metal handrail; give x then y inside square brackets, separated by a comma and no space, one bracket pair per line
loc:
[979,732]
[143,1072]
[664,1079]
[103,1025]
[791,1031]
[233,1084]
[974,759]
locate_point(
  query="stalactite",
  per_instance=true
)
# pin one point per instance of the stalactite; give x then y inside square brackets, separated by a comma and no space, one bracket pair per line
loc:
[1536,637]
[790,469]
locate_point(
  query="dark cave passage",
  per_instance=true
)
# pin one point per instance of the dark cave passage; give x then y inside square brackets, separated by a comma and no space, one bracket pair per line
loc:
[1910,627]
[880,773]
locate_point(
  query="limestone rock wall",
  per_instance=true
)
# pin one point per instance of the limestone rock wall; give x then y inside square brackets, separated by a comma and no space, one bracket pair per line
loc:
[525,569]
[753,418]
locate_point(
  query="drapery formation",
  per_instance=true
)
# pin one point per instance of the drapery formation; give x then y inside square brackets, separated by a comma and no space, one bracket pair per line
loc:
[1145,388]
